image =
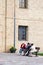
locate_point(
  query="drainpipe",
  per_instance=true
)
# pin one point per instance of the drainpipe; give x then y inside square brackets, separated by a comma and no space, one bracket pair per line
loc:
[5,21]
[14,24]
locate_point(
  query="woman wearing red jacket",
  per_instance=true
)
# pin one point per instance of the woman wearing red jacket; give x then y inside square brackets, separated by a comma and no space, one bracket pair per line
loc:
[22,48]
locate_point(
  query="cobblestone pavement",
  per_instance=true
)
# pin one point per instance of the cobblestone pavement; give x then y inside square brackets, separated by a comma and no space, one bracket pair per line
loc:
[15,59]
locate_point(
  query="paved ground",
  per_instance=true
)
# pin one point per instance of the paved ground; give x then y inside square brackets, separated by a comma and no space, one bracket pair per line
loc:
[15,59]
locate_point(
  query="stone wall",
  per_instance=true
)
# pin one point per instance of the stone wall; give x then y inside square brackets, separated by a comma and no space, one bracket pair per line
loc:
[31,17]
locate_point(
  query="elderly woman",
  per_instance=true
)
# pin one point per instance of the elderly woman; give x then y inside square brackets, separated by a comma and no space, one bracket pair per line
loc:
[34,49]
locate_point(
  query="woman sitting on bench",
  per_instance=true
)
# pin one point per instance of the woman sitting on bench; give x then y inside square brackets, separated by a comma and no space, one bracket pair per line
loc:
[22,49]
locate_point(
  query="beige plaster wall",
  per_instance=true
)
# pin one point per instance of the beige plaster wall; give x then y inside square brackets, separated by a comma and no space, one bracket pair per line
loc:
[6,24]
[31,17]
[9,33]
[10,8]
[35,33]
[2,25]
[10,24]
[34,10]
[2,33]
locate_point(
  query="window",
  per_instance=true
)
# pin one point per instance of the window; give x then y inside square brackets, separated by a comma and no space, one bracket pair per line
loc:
[23,3]
[22,33]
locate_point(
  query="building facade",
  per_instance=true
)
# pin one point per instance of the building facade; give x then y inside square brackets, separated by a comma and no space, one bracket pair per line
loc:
[21,21]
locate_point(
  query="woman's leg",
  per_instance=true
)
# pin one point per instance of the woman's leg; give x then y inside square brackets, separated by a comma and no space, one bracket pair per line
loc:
[20,51]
